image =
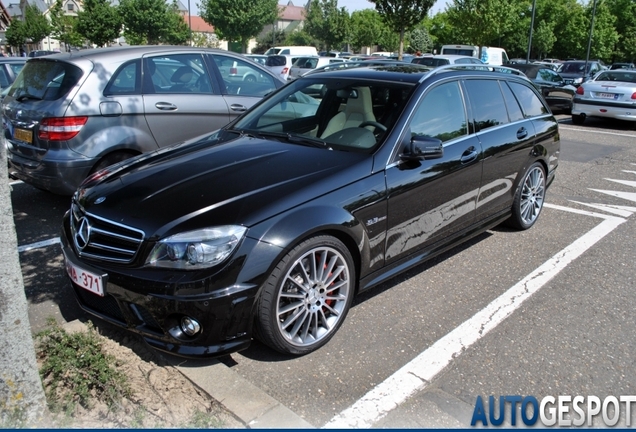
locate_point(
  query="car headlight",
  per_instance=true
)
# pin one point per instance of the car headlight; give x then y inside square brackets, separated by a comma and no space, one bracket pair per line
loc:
[578,80]
[198,249]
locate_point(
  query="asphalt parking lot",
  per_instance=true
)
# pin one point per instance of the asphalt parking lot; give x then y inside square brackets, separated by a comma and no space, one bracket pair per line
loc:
[561,298]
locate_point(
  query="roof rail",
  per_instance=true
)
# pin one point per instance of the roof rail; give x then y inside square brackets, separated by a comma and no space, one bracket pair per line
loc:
[481,68]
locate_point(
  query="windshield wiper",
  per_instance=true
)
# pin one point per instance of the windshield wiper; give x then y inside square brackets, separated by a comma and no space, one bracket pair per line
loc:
[26,96]
[292,138]
[303,139]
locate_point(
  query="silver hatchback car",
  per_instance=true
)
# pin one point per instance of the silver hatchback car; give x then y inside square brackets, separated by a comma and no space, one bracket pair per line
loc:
[70,115]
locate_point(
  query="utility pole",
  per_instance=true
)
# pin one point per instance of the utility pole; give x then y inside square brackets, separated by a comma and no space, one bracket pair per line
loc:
[589,39]
[534,6]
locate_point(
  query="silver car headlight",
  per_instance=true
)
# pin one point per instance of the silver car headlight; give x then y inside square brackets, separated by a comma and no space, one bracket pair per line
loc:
[198,249]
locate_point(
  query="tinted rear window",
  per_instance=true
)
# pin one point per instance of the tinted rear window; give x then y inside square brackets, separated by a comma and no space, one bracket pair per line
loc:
[430,61]
[276,60]
[45,80]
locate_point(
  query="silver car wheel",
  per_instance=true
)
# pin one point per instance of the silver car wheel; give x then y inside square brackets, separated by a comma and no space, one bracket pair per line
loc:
[532,195]
[313,298]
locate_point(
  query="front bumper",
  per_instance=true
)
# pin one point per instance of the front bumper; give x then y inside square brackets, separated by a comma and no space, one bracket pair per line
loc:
[154,310]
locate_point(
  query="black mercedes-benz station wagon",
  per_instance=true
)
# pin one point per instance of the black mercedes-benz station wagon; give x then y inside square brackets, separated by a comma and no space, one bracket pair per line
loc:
[329,186]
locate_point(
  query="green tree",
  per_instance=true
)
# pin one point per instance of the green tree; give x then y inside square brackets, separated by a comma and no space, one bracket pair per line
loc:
[274,37]
[63,26]
[326,23]
[14,34]
[403,15]
[99,22]
[301,38]
[442,30]
[36,26]
[482,22]
[605,36]
[152,22]
[625,13]
[178,31]
[366,26]
[420,40]
[238,20]
[543,40]
[205,40]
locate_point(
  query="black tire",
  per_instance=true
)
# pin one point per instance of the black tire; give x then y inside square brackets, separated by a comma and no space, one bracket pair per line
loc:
[578,119]
[529,198]
[301,306]
[110,159]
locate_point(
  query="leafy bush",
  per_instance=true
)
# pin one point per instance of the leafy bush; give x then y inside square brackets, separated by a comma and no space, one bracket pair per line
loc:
[75,369]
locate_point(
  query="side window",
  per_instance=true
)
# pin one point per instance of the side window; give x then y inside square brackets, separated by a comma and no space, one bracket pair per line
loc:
[441,113]
[178,73]
[242,77]
[4,79]
[16,68]
[530,102]
[126,80]
[487,102]
[550,76]
[514,110]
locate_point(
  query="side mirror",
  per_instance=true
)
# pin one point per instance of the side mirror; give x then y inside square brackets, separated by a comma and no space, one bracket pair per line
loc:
[423,148]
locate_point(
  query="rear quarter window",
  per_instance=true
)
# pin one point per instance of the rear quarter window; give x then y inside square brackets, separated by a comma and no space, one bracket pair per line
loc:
[530,103]
[126,80]
[45,80]
[487,101]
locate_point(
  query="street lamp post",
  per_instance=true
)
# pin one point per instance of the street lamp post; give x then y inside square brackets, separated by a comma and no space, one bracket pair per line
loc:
[534,5]
[189,23]
[589,39]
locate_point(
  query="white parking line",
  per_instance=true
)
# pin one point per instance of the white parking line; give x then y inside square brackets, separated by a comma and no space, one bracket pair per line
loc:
[418,373]
[40,244]
[596,131]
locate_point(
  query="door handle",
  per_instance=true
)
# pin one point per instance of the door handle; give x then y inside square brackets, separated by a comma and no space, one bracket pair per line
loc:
[522,133]
[165,106]
[238,107]
[469,155]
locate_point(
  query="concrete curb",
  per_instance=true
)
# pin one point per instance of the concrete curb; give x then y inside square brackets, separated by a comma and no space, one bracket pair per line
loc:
[245,401]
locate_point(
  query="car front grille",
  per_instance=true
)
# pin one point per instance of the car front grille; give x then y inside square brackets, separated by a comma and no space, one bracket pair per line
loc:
[98,238]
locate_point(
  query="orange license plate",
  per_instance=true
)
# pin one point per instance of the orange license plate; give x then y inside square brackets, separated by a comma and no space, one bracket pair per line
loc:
[23,135]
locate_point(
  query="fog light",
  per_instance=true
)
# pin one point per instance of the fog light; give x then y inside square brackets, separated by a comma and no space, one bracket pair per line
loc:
[190,326]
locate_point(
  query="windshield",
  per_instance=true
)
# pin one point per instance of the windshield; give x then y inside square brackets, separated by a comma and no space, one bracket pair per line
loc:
[617,76]
[338,114]
[574,67]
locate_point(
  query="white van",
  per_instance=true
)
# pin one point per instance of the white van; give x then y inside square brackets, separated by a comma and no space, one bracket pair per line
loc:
[292,50]
[489,55]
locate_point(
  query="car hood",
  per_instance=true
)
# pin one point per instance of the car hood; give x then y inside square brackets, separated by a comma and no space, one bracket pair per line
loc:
[242,181]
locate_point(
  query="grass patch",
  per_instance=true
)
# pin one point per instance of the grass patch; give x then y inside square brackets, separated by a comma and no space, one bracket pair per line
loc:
[201,420]
[76,370]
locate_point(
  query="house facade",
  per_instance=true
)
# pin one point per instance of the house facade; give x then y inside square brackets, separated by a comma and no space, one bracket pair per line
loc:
[290,18]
